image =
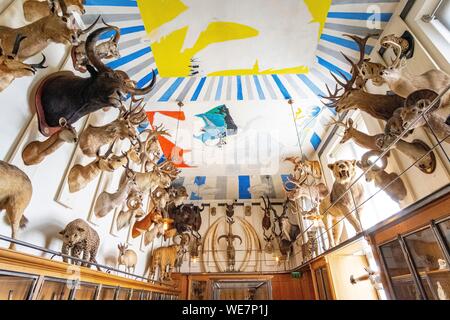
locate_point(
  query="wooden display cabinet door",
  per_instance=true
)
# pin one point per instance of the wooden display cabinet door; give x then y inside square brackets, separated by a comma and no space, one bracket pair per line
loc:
[85,291]
[136,295]
[54,289]
[16,286]
[107,293]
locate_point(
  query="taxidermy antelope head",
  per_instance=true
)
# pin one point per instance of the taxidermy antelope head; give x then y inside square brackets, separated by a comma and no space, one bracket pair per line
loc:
[134,206]
[51,28]
[36,151]
[354,97]
[104,88]
[105,50]
[107,202]
[124,127]
[12,68]
[150,150]
[391,182]
[79,176]
[34,10]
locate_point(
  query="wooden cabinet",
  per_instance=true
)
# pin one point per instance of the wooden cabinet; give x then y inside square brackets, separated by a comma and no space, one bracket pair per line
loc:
[323,287]
[16,286]
[25,277]
[413,251]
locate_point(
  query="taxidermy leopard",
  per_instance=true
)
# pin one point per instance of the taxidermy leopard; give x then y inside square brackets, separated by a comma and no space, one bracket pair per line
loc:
[79,237]
[310,247]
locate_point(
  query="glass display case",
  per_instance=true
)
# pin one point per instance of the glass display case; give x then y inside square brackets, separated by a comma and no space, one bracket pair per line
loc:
[323,284]
[16,286]
[136,295]
[107,293]
[417,263]
[85,291]
[123,294]
[54,289]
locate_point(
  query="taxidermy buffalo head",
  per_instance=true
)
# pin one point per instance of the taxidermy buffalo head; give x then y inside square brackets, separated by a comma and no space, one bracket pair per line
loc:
[65,95]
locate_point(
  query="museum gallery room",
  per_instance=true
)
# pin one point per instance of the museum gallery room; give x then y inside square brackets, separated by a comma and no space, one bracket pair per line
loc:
[225,150]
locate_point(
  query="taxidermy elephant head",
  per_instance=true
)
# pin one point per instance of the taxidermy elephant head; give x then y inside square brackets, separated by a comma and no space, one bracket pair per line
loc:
[65,95]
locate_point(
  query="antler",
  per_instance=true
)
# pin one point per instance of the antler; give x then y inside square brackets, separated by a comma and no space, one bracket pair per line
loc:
[116,37]
[396,62]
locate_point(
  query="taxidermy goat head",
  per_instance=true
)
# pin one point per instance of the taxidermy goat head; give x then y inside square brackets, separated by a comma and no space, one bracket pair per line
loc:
[12,68]
[79,175]
[34,10]
[104,88]
[39,34]
[391,182]
[105,50]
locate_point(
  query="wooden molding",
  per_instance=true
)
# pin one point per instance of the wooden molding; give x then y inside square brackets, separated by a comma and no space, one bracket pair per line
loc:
[14,261]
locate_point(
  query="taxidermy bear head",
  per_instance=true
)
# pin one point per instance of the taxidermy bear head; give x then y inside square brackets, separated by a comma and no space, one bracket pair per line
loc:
[343,170]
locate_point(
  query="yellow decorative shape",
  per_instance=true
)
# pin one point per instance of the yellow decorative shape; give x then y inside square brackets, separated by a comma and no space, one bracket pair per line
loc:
[319,10]
[155,13]
[173,62]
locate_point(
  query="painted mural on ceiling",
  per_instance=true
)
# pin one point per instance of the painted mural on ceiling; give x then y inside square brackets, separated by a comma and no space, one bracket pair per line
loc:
[311,117]
[234,37]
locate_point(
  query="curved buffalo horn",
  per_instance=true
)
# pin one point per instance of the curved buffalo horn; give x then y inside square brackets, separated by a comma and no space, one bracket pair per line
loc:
[19,39]
[39,65]
[145,90]
[88,29]
[90,48]
[116,37]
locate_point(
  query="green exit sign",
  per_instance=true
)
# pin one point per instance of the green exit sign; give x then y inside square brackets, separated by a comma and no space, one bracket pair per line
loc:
[295,275]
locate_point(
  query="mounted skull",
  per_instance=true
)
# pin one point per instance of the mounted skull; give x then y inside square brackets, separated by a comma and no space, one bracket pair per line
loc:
[65,95]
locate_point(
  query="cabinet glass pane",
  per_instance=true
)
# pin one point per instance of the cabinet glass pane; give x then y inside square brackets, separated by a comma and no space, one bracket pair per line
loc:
[430,263]
[397,268]
[85,292]
[54,290]
[107,293]
[136,295]
[15,287]
[445,229]
[124,294]
[320,287]
[326,284]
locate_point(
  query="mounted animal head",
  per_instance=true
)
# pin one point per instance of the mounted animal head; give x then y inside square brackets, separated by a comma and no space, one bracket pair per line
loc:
[367,160]
[105,88]
[349,98]
[372,71]
[348,129]
[61,28]
[11,67]
[178,195]
[229,210]
[343,170]
[415,105]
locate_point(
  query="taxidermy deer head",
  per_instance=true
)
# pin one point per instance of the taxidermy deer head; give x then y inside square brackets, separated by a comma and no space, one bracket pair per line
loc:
[104,88]
[354,97]
[12,68]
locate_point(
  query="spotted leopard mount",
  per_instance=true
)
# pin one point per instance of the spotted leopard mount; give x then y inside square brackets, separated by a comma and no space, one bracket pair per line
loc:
[80,238]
